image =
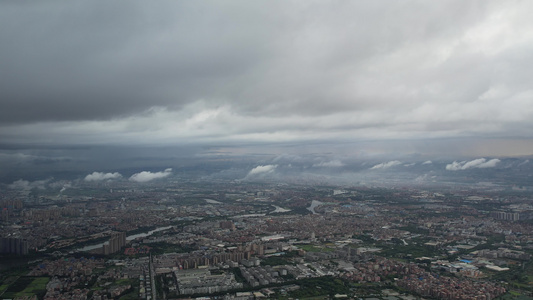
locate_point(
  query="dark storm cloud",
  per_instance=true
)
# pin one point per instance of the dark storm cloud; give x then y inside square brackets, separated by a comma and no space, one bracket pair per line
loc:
[95,60]
[206,72]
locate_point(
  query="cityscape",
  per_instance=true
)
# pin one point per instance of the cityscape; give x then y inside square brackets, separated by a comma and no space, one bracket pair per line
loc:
[247,150]
[187,238]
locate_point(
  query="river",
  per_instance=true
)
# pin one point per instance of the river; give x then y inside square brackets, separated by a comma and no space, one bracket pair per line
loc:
[128,238]
[314,204]
[280,209]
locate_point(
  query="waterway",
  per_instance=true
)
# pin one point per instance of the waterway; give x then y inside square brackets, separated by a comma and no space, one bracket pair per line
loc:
[280,209]
[128,238]
[314,204]
[211,201]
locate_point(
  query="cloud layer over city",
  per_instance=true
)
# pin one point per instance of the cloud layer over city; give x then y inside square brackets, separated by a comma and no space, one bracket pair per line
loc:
[99,176]
[146,176]
[262,170]
[479,163]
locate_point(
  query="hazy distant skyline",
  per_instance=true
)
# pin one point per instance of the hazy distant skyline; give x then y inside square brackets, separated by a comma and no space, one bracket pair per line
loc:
[444,77]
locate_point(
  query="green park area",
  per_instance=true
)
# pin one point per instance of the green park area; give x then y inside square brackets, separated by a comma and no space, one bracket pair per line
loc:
[25,287]
[318,288]
[314,248]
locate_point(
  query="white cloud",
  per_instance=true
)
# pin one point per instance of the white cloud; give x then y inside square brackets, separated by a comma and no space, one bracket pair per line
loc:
[524,162]
[19,184]
[455,166]
[99,176]
[478,163]
[386,165]
[146,176]
[427,162]
[330,164]
[27,185]
[262,169]
[421,178]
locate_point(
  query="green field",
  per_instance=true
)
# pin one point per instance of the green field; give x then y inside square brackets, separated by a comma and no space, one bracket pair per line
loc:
[125,281]
[3,287]
[311,248]
[26,286]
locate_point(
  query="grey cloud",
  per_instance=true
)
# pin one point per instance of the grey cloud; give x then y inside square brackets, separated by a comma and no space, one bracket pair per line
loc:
[288,158]
[29,158]
[422,178]
[206,72]
[524,162]
[16,157]
[330,164]
[100,60]
[28,185]
[56,184]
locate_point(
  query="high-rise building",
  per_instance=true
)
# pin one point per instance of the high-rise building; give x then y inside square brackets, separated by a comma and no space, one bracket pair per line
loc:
[14,246]
[507,216]
[116,242]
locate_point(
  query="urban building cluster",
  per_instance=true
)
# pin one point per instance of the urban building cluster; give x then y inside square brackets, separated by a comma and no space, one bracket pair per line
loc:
[202,281]
[163,242]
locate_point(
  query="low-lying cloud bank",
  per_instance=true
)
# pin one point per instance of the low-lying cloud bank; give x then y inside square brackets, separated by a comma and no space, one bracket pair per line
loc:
[99,176]
[386,165]
[146,176]
[28,185]
[330,164]
[479,163]
[262,169]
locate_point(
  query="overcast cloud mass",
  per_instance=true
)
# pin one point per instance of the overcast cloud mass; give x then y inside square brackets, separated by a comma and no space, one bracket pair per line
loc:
[240,74]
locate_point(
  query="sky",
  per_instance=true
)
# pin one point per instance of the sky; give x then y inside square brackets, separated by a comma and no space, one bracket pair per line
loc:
[428,77]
